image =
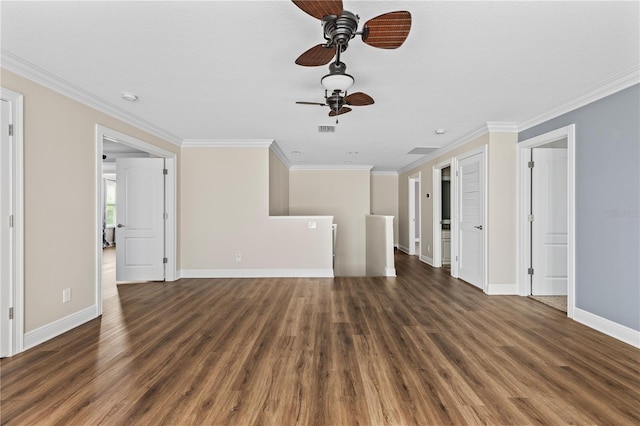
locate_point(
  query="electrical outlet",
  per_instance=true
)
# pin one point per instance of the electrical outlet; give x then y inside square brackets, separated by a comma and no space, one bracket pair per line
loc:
[238,257]
[66,295]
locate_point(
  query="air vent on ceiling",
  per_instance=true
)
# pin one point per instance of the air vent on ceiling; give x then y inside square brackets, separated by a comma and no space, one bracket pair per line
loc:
[422,150]
[326,129]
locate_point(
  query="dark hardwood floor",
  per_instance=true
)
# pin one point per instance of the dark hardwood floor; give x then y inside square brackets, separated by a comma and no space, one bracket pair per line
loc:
[421,348]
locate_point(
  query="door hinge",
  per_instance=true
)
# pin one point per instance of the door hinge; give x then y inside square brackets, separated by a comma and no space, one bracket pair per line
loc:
[456,258]
[10,129]
[530,164]
[165,216]
[165,260]
[530,217]
[10,313]
[165,171]
[10,221]
[530,271]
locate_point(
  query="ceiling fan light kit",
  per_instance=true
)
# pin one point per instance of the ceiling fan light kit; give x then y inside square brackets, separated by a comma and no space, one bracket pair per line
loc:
[387,31]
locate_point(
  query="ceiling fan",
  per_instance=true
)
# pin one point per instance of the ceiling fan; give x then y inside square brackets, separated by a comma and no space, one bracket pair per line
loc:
[336,98]
[387,31]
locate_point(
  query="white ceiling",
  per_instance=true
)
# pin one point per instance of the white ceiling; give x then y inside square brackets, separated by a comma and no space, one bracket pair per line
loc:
[224,70]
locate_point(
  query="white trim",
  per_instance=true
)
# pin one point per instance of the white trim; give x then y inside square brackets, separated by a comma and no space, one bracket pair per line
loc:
[332,167]
[608,327]
[502,127]
[58,327]
[488,127]
[389,272]
[601,90]
[26,69]
[171,204]
[523,187]
[383,173]
[301,217]
[425,259]
[502,289]
[403,249]
[257,273]
[437,210]
[17,209]
[227,143]
[280,154]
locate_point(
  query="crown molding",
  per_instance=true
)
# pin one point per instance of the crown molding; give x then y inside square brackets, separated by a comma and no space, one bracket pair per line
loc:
[280,154]
[227,143]
[350,167]
[30,71]
[606,88]
[383,173]
[502,127]
[447,148]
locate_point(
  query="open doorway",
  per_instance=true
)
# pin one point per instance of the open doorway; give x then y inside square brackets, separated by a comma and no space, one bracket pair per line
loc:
[127,150]
[546,219]
[111,151]
[443,209]
[414,209]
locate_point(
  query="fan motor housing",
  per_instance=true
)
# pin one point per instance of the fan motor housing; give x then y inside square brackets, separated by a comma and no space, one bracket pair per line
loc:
[340,29]
[335,101]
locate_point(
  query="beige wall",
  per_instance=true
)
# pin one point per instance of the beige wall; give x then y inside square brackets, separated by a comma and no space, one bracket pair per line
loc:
[384,198]
[225,210]
[345,194]
[278,186]
[501,196]
[60,244]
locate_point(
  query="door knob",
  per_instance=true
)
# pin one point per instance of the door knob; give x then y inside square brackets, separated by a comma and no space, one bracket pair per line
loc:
[478,227]
[122,226]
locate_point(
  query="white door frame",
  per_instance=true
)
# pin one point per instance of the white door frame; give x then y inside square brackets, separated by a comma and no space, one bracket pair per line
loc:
[455,229]
[414,180]
[170,202]
[524,207]
[16,202]
[437,212]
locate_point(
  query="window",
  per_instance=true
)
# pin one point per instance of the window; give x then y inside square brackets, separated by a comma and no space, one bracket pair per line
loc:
[110,203]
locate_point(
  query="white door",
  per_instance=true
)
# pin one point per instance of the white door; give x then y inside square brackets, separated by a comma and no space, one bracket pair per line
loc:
[5,232]
[549,249]
[140,219]
[471,220]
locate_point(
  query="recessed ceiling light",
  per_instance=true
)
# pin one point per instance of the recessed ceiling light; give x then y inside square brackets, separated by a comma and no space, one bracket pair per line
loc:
[440,131]
[296,152]
[128,96]
[353,152]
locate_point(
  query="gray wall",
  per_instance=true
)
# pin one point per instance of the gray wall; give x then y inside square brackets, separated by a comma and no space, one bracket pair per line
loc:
[607,204]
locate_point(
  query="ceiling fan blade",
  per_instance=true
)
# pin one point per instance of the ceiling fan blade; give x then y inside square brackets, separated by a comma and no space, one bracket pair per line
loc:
[341,111]
[319,8]
[387,31]
[358,99]
[310,103]
[316,56]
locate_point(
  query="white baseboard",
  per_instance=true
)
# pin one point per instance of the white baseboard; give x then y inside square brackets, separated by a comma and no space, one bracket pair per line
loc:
[503,289]
[58,327]
[427,260]
[256,273]
[404,249]
[608,327]
[389,272]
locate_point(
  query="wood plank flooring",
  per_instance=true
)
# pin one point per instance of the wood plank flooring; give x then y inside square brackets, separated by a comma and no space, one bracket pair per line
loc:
[421,349]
